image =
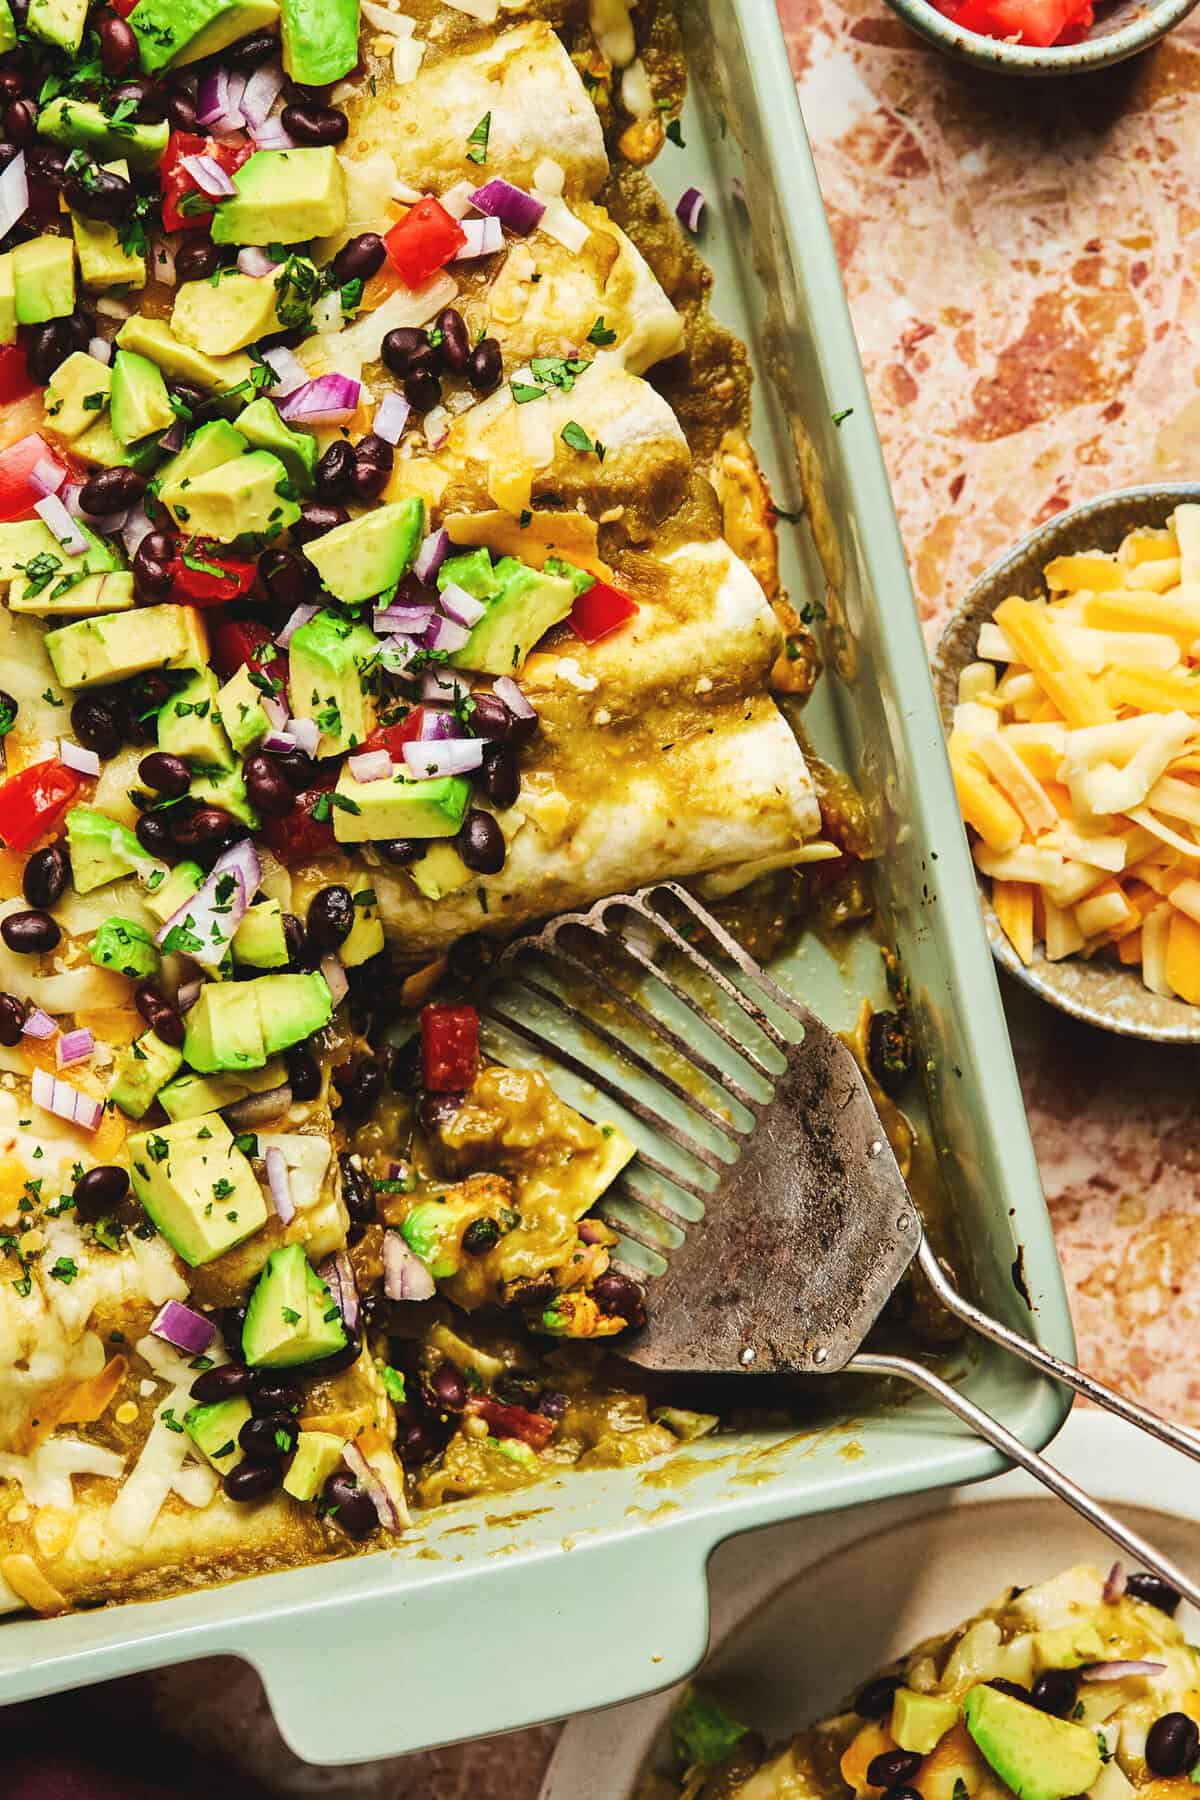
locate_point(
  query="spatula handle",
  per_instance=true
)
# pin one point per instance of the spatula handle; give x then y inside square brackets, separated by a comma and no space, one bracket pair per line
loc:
[1144,1554]
[1177,1436]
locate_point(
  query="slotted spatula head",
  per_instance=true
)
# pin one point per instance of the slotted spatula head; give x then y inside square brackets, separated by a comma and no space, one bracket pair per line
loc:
[765,1210]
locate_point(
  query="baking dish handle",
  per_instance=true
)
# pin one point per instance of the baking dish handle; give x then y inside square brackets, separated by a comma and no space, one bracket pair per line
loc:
[562,1631]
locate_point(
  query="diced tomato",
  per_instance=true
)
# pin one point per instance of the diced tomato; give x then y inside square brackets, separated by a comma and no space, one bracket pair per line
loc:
[599,610]
[449,1048]
[246,643]
[534,1429]
[207,575]
[299,836]
[15,380]
[178,212]
[32,803]
[1036,22]
[16,464]
[424,241]
[123,8]
[393,738]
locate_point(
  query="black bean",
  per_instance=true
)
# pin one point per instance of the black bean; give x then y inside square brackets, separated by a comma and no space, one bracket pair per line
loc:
[167,774]
[144,698]
[271,1393]
[80,328]
[287,578]
[199,406]
[196,259]
[46,346]
[1172,1744]
[523,729]
[422,390]
[490,718]
[436,1110]
[206,825]
[111,491]
[252,1480]
[892,1766]
[361,258]
[315,520]
[621,1297]
[304,1073]
[299,770]
[481,843]
[414,1444]
[20,123]
[485,367]
[181,110]
[267,1438]
[46,163]
[296,945]
[267,788]
[335,469]
[30,933]
[449,1388]
[402,347]
[251,51]
[339,1359]
[1013,1689]
[12,84]
[95,720]
[151,564]
[99,195]
[1054,1692]
[330,918]
[1154,1591]
[169,1026]
[358,1192]
[153,834]
[360,1084]
[481,1236]
[229,1382]
[12,1017]
[315,125]
[890,1051]
[470,956]
[46,876]
[399,851]
[901,1792]
[373,459]
[149,98]
[230,1322]
[874,1701]
[499,776]
[456,344]
[99,1191]
[343,1501]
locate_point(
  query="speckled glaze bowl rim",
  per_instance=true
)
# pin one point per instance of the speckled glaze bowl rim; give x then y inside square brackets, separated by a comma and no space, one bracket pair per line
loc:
[1155,20]
[1180,1023]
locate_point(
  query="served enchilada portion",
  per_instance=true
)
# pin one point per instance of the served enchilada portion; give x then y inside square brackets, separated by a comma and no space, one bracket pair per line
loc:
[364,599]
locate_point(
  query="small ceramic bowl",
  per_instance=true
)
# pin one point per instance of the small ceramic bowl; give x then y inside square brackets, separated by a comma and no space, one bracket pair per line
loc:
[1121,29]
[1100,993]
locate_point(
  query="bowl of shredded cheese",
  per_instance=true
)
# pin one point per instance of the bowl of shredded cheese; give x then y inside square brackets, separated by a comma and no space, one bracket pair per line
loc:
[1069,683]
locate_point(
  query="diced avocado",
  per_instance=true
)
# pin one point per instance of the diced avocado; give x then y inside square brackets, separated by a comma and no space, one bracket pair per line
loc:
[100,445]
[1038,1756]
[8,30]
[101,848]
[115,645]
[77,395]
[242,497]
[188,1095]
[1067,1647]
[209,446]
[434,1230]
[181,883]
[225,788]
[283,196]
[325,658]
[292,1317]
[138,402]
[58,22]
[702,1731]
[919,1721]
[104,261]
[369,554]
[296,450]
[142,1068]
[259,940]
[71,595]
[318,1454]
[218,320]
[44,278]
[291,1007]
[21,541]
[240,706]
[472,571]
[439,872]
[399,807]
[526,604]
[189,724]
[320,39]
[8,280]
[124,945]
[173,32]
[686,1425]
[365,939]
[155,339]
[83,125]
[215,1430]
[197,1186]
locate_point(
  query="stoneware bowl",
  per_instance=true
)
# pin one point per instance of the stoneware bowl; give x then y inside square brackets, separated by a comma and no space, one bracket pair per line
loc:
[1101,993]
[1121,29]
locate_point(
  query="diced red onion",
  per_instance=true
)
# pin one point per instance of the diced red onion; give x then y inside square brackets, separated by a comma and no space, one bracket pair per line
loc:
[445,634]
[65,1101]
[437,725]
[39,1024]
[47,475]
[391,416]
[84,762]
[689,209]
[338,1275]
[189,1331]
[101,349]
[238,84]
[335,976]
[403,618]
[432,554]
[262,90]
[398,1171]
[162,258]
[53,513]
[372,765]
[327,400]
[187,994]
[590,1231]
[172,438]
[396,652]
[1117,1671]
[275,710]
[307,734]
[14,193]
[456,756]
[209,176]
[515,208]
[74,1046]
[211,98]
[280,1184]
[1114,1585]
[210,918]
[438,689]
[512,696]
[136,527]
[371,1485]
[460,606]
[259,1109]
[272,136]
[484,237]
[253,261]
[437,426]
[405,1276]
[280,742]
[300,617]
[290,370]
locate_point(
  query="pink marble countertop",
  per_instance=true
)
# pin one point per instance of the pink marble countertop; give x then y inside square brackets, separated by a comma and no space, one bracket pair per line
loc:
[1023,266]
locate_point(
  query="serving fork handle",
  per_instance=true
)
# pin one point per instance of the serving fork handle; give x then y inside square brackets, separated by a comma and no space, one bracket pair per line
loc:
[867,1362]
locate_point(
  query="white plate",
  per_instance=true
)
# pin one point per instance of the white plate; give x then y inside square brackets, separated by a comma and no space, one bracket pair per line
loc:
[802,1613]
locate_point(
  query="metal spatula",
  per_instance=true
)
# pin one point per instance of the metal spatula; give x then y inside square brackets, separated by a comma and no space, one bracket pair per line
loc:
[766,1215]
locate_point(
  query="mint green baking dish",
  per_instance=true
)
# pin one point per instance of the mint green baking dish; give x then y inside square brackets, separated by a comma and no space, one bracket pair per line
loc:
[590,1588]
